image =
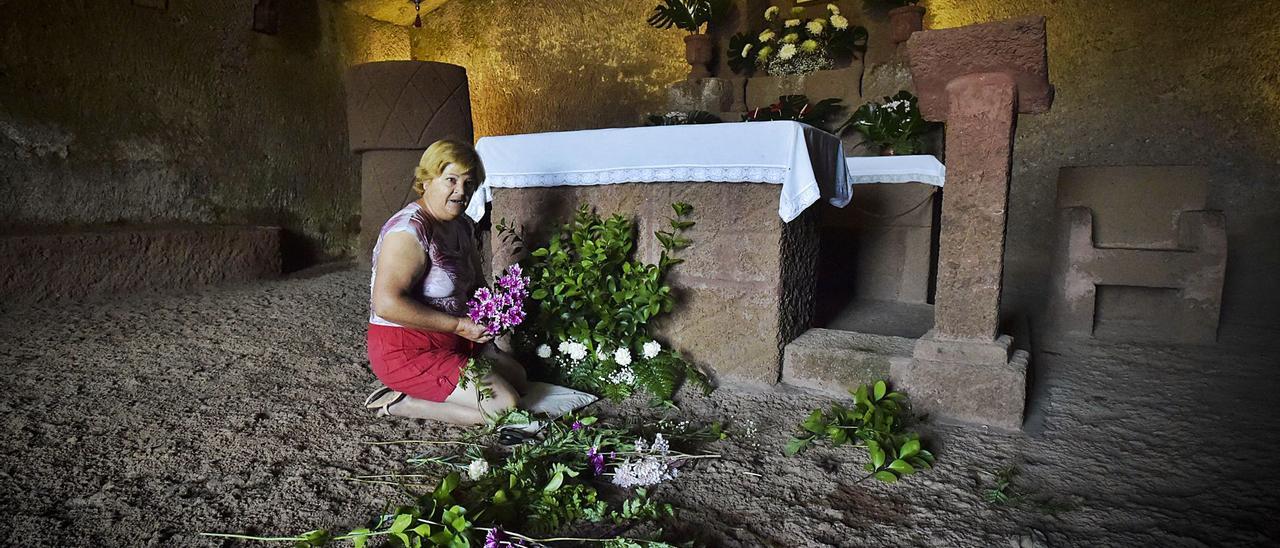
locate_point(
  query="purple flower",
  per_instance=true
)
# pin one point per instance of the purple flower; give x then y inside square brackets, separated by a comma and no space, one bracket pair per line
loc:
[494,537]
[596,459]
[577,425]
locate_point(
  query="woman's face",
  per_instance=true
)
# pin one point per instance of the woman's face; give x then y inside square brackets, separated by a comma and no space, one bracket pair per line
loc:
[446,196]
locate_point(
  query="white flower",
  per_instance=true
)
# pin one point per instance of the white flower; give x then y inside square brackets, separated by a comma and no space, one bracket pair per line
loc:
[809,46]
[660,445]
[791,38]
[573,349]
[642,473]
[771,13]
[791,23]
[650,349]
[745,49]
[625,375]
[544,351]
[766,35]
[838,21]
[833,9]
[622,356]
[602,355]
[788,51]
[478,469]
[816,26]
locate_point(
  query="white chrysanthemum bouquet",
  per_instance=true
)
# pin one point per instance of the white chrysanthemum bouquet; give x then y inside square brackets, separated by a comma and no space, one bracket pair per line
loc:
[794,45]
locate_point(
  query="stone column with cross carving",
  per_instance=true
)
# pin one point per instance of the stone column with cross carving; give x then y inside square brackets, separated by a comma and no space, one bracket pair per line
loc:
[395,110]
[977,79]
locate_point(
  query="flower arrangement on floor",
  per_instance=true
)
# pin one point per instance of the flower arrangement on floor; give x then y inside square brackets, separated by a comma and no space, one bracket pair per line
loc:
[595,304]
[798,108]
[680,118]
[894,125]
[794,45]
[485,497]
[874,422]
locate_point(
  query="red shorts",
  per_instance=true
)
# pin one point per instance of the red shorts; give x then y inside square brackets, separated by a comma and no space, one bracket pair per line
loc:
[422,364]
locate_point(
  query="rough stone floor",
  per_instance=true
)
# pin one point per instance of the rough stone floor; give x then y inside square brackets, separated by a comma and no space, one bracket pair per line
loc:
[143,421]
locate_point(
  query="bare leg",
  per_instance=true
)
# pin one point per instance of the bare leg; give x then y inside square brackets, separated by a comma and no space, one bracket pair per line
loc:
[505,365]
[464,406]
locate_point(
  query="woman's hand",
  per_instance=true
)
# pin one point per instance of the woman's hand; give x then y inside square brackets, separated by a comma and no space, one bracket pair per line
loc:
[471,331]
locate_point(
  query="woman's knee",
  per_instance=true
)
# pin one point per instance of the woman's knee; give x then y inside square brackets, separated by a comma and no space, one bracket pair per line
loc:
[504,396]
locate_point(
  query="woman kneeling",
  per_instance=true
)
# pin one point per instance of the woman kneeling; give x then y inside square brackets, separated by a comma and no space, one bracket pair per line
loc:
[425,267]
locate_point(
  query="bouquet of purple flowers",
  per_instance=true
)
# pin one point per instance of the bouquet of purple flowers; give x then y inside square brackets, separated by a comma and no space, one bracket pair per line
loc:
[500,309]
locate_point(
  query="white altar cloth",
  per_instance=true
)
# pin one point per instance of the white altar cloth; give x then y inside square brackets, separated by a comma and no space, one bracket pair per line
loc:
[806,161]
[896,169]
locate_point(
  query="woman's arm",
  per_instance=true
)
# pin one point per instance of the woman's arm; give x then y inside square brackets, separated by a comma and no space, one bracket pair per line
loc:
[401,262]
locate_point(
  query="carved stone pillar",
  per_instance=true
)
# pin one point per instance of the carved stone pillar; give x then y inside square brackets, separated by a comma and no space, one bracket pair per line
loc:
[976,79]
[395,110]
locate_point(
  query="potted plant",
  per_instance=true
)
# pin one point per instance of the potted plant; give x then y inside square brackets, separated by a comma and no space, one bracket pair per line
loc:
[691,16]
[793,45]
[905,18]
[895,125]
[798,108]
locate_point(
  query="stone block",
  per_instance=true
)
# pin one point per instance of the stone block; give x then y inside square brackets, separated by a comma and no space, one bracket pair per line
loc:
[1016,47]
[971,393]
[406,105]
[73,265]
[935,347]
[844,84]
[836,362]
[709,94]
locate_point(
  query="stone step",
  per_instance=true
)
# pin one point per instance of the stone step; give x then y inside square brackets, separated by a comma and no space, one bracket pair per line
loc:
[834,361]
[73,264]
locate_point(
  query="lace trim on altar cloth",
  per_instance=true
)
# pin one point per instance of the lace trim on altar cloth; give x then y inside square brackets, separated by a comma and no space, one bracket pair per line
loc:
[718,174]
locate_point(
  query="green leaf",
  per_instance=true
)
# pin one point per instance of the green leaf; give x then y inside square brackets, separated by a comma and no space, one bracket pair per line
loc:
[797,445]
[909,449]
[815,423]
[540,252]
[886,476]
[900,466]
[877,458]
[539,294]
[555,482]
[880,389]
[423,530]
[402,522]
[361,537]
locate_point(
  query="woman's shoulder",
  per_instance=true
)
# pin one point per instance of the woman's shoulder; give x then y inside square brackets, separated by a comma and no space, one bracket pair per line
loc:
[410,218]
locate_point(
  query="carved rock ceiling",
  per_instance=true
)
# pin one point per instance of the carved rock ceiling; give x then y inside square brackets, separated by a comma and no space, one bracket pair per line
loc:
[399,12]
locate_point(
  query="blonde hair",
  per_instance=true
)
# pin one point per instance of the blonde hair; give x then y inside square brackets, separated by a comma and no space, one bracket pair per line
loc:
[442,153]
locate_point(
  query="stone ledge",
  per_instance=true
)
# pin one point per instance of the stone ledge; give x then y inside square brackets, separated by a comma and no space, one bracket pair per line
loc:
[78,263]
[834,362]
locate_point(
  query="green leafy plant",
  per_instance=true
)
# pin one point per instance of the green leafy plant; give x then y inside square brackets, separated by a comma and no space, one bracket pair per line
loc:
[894,125]
[999,493]
[798,108]
[679,118]
[688,15]
[794,45]
[874,422]
[595,304]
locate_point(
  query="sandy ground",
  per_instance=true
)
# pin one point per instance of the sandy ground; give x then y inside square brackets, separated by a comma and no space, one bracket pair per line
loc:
[142,421]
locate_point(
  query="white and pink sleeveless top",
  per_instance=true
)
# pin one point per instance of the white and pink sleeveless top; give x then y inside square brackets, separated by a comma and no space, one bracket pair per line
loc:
[453,262]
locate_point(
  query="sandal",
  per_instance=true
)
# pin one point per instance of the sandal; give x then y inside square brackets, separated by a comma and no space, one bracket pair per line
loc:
[382,398]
